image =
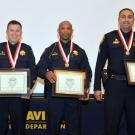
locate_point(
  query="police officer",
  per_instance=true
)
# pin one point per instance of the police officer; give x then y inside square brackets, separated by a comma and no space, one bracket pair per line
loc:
[116,47]
[14,54]
[68,109]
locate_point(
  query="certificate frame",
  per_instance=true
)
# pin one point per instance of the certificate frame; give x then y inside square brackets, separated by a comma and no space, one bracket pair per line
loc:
[130,65]
[64,80]
[14,82]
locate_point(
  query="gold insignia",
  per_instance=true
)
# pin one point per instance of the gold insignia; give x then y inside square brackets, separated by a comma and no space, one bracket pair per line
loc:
[116,41]
[134,43]
[2,53]
[22,53]
[75,52]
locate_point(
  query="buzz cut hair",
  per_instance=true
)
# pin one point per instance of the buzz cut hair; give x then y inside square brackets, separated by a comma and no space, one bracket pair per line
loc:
[66,21]
[14,22]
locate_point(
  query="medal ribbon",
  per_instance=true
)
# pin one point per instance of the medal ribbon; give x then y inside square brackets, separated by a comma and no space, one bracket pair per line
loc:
[64,57]
[126,46]
[11,59]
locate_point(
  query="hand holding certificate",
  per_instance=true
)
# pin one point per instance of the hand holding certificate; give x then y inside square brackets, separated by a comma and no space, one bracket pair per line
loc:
[86,95]
[69,83]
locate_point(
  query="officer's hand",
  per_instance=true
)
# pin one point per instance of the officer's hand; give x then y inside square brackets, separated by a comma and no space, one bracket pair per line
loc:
[27,96]
[51,76]
[98,95]
[86,95]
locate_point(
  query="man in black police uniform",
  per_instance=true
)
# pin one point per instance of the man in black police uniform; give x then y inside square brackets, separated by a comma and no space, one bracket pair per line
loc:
[14,54]
[68,109]
[119,96]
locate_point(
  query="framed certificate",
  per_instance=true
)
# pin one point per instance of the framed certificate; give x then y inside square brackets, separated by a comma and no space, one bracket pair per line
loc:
[130,71]
[14,82]
[69,83]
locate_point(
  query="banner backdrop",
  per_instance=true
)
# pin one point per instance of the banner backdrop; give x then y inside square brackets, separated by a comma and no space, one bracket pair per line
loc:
[92,119]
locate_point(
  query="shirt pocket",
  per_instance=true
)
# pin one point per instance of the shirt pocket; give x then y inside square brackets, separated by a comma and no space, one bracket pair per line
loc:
[4,62]
[133,48]
[116,52]
[116,48]
[75,59]
[55,60]
[22,62]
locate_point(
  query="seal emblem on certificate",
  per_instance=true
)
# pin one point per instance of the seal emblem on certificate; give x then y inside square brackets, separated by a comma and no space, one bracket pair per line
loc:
[69,83]
[14,82]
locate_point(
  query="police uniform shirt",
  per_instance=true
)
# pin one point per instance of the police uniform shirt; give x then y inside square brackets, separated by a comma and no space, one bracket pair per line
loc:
[25,59]
[112,49]
[51,59]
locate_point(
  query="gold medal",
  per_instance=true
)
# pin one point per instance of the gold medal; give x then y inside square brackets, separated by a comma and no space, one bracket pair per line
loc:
[127,53]
[126,46]
[66,65]
[14,59]
[64,57]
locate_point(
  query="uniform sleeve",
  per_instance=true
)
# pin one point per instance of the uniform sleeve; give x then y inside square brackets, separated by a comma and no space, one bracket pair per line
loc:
[32,67]
[101,59]
[42,65]
[86,66]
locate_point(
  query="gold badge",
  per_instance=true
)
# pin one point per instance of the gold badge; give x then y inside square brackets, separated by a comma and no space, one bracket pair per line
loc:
[116,41]
[133,43]
[75,52]
[22,53]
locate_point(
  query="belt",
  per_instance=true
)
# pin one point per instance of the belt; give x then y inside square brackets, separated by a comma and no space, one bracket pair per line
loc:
[118,77]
